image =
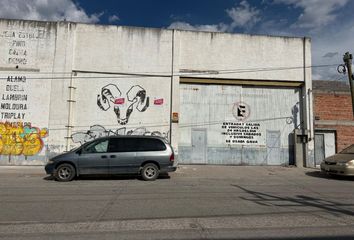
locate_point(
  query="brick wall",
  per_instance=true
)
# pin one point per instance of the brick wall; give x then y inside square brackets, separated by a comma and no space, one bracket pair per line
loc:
[330,106]
[334,111]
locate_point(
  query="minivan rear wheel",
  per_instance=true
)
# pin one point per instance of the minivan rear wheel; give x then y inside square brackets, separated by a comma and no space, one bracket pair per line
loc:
[65,172]
[150,172]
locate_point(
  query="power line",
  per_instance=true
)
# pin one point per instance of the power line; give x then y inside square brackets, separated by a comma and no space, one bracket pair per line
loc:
[168,72]
[162,74]
[111,127]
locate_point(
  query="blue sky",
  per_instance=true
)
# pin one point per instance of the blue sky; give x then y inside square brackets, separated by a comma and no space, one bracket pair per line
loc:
[329,23]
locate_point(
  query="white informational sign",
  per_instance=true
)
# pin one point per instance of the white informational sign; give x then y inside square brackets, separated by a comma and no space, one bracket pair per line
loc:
[243,133]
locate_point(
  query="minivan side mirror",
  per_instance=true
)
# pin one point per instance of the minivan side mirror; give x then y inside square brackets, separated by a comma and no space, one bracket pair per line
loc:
[79,151]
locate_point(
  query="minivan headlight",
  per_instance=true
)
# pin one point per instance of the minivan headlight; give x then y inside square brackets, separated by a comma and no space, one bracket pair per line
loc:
[50,161]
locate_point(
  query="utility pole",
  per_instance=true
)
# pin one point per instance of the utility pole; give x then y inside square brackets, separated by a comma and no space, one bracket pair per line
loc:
[347,58]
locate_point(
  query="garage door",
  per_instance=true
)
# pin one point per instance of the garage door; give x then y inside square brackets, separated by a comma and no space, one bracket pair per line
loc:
[238,125]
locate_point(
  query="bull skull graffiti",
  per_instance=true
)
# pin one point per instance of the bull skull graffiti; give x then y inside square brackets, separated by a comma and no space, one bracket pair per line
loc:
[111,95]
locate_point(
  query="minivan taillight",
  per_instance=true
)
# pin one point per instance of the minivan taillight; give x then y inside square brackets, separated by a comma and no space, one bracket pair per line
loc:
[172,157]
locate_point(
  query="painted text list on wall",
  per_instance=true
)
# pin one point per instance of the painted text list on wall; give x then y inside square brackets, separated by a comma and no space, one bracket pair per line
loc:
[21,44]
[14,99]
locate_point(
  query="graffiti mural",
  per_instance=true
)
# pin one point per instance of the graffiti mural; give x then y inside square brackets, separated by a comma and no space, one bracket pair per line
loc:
[123,104]
[21,139]
[97,131]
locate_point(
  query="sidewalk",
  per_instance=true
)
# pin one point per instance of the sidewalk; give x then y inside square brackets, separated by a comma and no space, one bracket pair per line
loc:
[21,170]
[192,171]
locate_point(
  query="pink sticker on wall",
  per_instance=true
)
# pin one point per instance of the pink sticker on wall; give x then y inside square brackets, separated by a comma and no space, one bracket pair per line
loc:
[158,101]
[119,101]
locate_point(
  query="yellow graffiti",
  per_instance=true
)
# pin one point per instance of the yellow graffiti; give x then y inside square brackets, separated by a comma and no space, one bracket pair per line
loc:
[21,139]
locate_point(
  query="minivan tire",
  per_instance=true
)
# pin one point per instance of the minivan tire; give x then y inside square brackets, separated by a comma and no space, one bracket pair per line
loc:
[65,172]
[150,172]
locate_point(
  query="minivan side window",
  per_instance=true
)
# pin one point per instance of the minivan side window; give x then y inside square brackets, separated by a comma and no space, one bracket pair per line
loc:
[150,144]
[96,147]
[132,144]
[122,145]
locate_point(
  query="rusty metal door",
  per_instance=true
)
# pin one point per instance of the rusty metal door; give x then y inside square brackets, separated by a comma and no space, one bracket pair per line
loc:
[319,148]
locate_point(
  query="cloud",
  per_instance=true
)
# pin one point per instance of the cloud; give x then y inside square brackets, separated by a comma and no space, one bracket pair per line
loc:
[326,44]
[113,18]
[243,16]
[316,13]
[318,20]
[330,54]
[46,10]
[206,28]
[277,27]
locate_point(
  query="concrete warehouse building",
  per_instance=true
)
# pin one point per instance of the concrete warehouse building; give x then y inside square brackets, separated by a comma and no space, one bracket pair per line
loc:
[219,98]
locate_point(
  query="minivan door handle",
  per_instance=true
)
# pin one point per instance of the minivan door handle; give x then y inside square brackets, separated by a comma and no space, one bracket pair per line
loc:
[104,156]
[113,156]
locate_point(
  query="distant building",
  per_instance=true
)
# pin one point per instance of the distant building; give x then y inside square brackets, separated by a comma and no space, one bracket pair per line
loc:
[334,122]
[219,98]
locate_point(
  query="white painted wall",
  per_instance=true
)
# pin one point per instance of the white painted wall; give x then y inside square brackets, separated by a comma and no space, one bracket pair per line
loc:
[123,49]
[242,56]
[63,55]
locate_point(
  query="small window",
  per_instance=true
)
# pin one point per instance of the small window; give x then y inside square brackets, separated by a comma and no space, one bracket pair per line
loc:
[97,147]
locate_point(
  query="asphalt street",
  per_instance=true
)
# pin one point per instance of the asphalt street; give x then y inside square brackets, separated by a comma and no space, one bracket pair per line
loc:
[196,202]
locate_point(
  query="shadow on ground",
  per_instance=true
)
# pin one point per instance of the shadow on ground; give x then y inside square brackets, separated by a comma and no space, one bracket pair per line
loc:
[296,238]
[110,177]
[269,199]
[320,174]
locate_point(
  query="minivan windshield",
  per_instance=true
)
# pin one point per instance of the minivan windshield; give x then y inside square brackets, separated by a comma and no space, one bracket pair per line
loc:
[349,149]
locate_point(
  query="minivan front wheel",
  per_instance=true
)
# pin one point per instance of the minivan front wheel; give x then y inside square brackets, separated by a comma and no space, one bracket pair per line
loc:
[65,172]
[150,172]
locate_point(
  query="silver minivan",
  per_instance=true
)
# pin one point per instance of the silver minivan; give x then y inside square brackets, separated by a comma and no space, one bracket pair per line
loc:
[145,155]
